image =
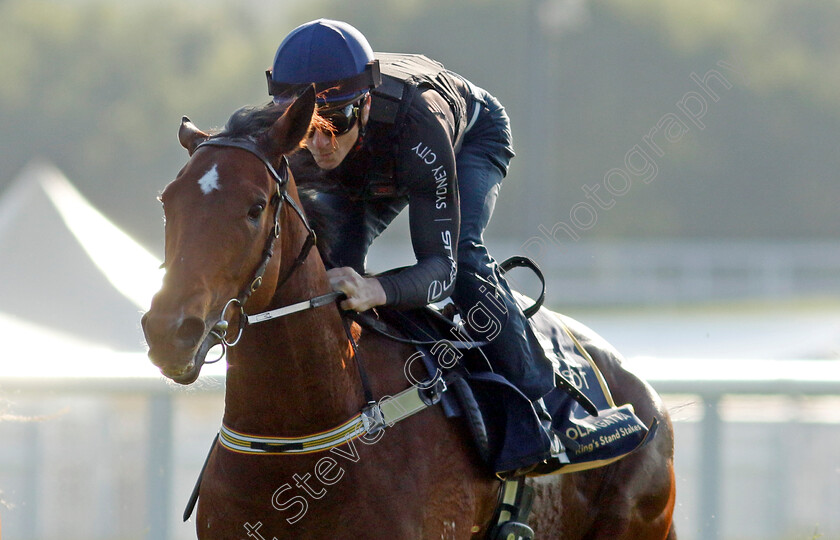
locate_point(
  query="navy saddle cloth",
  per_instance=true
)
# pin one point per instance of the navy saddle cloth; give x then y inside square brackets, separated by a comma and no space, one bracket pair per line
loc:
[502,420]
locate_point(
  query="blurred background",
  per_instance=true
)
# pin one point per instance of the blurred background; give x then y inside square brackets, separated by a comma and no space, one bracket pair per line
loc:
[676,178]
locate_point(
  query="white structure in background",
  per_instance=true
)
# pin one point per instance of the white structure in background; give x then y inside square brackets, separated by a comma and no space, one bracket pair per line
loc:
[64,266]
[72,289]
[124,263]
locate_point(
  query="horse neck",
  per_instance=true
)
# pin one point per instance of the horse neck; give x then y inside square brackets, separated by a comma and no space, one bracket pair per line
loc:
[296,374]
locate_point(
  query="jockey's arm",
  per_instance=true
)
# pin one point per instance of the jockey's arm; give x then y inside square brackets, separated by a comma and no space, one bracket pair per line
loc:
[426,167]
[427,164]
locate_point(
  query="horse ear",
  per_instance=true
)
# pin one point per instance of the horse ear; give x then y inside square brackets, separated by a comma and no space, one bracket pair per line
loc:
[289,130]
[190,136]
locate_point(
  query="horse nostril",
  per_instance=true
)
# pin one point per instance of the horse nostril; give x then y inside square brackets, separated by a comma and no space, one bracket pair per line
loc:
[190,332]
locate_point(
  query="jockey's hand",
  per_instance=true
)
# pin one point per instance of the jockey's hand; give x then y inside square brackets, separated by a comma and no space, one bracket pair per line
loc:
[362,292]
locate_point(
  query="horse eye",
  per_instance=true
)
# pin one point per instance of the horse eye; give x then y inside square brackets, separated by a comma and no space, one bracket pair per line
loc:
[256,211]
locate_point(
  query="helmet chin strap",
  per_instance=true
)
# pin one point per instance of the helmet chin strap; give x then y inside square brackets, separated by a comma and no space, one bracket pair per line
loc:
[362,131]
[362,124]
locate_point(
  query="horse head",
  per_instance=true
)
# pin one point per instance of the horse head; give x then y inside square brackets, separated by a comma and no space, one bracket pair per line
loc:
[224,215]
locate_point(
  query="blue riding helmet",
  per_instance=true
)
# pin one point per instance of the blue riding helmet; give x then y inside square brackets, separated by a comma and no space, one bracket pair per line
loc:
[333,55]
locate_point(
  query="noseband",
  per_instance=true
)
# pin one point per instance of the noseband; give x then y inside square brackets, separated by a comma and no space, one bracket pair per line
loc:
[281,181]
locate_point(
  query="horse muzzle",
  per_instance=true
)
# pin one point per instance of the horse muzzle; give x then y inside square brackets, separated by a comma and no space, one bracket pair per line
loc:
[178,346]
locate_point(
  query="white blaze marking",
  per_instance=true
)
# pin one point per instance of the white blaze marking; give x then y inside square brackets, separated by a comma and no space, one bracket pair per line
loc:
[210,180]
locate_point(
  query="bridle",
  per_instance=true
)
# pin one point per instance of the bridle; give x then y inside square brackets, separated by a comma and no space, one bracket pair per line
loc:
[218,334]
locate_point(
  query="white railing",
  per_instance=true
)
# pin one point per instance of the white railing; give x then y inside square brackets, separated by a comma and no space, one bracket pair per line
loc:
[717,385]
[644,272]
[131,499]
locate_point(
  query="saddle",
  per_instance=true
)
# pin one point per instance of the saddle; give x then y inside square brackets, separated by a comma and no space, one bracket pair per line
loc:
[512,436]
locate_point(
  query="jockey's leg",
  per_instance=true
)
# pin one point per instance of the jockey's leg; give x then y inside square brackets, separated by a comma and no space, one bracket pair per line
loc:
[481,292]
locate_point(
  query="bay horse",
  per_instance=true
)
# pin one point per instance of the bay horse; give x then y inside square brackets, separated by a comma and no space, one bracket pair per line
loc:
[236,242]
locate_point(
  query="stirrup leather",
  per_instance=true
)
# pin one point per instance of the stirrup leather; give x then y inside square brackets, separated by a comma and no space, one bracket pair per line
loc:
[510,521]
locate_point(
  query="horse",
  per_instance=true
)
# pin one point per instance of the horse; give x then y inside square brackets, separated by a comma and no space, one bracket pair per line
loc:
[237,241]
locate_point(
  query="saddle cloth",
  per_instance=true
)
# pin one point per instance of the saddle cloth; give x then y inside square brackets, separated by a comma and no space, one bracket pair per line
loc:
[505,427]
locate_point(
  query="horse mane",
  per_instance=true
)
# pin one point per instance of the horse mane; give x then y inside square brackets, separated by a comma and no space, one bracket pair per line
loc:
[251,121]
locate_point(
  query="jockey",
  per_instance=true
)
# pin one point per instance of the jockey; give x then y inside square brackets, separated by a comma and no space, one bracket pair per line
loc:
[406,132]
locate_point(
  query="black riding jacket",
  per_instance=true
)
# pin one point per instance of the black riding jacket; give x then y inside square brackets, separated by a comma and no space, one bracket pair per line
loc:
[425,172]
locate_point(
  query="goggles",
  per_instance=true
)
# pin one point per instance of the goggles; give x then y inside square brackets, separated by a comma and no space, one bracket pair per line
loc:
[341,120]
